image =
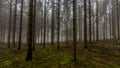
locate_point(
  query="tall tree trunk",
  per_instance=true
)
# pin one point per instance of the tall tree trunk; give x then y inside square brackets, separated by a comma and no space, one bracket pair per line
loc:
[30,33]
[44,37]
[93,27]
[110,25]
[85,24]
[21,22]
[14,23]
[97,22]
[80,24]
[34,23]
[113,22]
[58,25]
[52,24]
[0,21]
[90,37]
[67,21]
[9,29]
[74,30]
[41,29]
[118,23]
[106,34]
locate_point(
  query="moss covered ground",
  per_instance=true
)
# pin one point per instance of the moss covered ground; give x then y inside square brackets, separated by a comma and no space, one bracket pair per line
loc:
[102,55]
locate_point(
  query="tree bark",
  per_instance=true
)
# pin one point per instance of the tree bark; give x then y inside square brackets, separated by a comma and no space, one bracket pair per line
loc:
[58,29]
[30,33]
[74,30]
[44,37]
[14,24]
[21,23]
[85,24]
[9,29]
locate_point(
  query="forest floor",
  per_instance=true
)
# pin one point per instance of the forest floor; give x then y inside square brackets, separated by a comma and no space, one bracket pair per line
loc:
[101,55]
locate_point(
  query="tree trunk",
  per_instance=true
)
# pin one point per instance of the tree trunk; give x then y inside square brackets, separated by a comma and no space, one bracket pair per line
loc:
[58,29]
[44,37]
[30,33]
[85,24]
[97,22]
[21,19]
[118,24]
[14,24]
[34,23]
[74,30]
[9,29]
[52,24]
[90,37]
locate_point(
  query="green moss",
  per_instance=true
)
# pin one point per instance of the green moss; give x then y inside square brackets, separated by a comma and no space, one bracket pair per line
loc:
[115,66]
[50,58]
[7,63]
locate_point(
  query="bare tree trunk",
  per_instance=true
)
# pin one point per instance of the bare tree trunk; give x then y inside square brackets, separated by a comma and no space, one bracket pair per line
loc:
[21,23]
[67,22]
[44,37]
[41,27]
[0,21]
[52,24]
[34,23]
[93,28]
[106,29]
[9,29]
[118,23]
[14,24]
[113,22]
[30,33]
[80,24]
[97,22]
[110,26]
[58,29]
[41,30]
[74,30]
[90,36]
[85,24]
